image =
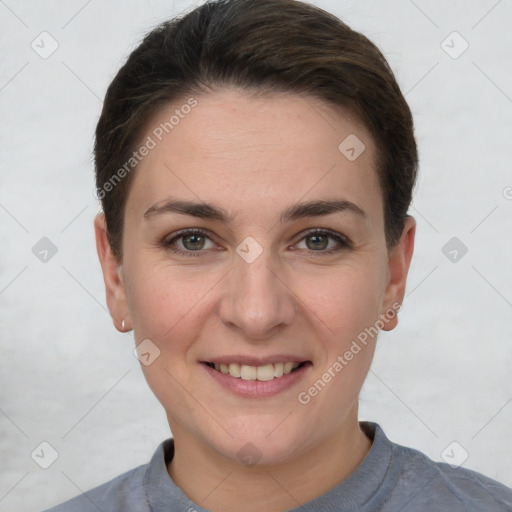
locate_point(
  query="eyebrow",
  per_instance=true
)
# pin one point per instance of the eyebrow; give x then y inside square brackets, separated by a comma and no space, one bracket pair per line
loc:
[297,211]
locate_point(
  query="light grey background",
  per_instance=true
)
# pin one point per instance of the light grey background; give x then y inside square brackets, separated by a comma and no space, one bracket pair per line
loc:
[70,379]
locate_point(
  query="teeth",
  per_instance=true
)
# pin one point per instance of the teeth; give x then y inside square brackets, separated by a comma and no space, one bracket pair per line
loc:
[262,373]
[265,372]
[234,370]
[248,372]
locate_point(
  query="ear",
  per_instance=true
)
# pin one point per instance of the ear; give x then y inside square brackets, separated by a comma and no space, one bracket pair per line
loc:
[112,276]
[398,268]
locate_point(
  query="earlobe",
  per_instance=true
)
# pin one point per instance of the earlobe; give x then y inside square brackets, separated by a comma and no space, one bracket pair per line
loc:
[398,268]
[112,276]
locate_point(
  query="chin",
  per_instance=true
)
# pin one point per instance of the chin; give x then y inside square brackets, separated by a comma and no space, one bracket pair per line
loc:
[266,440]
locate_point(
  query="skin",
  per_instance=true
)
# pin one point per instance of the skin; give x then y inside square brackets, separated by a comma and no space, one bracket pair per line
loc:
[254,157]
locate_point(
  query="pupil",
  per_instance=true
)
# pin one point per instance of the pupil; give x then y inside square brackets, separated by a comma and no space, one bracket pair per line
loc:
[317,238]
[195,241]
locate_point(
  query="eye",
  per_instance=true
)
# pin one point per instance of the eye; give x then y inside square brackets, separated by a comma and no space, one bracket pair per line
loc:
[195,242]
[189,241]
[324,241]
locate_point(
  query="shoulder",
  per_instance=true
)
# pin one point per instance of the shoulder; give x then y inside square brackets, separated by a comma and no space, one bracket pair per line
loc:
[125,492]
[427,482]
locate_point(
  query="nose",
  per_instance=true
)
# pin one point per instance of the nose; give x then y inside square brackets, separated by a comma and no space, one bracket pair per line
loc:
[257,300]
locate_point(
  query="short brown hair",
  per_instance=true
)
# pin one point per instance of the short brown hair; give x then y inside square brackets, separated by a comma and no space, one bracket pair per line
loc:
[256,45]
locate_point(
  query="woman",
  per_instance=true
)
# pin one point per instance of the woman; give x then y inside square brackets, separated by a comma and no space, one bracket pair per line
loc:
[255,161]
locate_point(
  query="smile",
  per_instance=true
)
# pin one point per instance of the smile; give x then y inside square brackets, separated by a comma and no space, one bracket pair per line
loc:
[251,376]
[262,373]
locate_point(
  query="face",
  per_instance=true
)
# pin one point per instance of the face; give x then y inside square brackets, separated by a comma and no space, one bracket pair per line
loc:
[254,245]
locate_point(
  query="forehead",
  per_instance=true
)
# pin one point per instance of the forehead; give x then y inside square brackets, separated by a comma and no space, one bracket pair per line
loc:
[240,150]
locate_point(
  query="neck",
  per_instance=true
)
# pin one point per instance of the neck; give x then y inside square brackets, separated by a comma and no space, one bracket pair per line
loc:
[221,485]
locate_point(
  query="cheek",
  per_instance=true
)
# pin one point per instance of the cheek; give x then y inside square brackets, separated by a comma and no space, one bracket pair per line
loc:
[346,307]
[345,300]
[168,310]
[168,307]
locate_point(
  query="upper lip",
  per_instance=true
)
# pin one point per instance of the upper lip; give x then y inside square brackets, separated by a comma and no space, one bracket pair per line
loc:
[255,361]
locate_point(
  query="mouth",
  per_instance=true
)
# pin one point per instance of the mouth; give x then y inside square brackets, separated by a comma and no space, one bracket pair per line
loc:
[262,373]
[257,377]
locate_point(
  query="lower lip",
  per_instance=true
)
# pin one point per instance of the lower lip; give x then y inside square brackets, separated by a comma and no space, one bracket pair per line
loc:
[257,388]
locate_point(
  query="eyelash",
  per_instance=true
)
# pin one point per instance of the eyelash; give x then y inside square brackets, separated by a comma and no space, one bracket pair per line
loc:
[343,242]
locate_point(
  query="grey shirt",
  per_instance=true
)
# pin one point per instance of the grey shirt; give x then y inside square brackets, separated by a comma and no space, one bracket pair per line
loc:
[391,478]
